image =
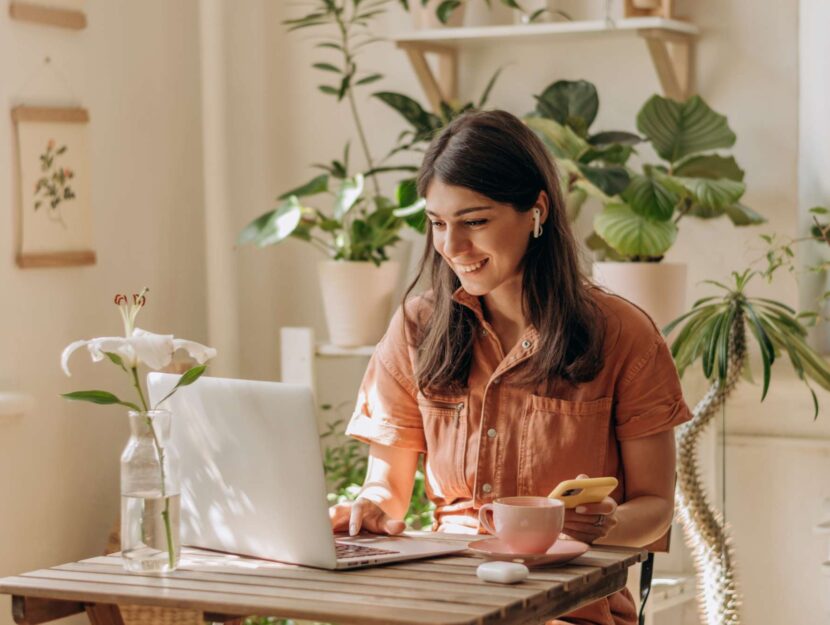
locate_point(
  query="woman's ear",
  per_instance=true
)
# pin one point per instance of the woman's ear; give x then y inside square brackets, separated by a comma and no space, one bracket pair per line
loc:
[543,204]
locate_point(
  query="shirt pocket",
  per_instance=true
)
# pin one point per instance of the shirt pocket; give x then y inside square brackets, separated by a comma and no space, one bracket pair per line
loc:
[561,439]
[445,431]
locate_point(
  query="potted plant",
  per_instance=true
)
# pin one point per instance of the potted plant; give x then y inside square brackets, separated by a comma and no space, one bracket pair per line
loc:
[642,209]
[716,332]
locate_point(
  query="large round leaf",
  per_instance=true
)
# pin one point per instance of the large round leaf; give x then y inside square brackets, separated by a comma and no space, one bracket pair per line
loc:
[633,235]
[611,180]
[560,140]
[679,129]
[610,137]
[710,166]
[743,215]
[571,103]
[648,197]
[713,195]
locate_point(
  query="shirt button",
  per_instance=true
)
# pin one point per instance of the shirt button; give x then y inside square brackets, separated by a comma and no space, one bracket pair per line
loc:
[491,433]
[486,488]
[526,344]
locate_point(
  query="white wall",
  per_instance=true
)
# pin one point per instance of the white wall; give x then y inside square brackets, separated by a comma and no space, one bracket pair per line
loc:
[135,69]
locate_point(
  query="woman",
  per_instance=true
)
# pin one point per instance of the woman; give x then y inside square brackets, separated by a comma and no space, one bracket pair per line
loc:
[513,372]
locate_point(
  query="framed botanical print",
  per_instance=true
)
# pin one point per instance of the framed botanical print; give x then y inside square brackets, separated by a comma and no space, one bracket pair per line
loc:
[54,216]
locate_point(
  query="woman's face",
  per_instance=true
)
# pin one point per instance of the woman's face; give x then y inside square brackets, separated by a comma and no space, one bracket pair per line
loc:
[482,241]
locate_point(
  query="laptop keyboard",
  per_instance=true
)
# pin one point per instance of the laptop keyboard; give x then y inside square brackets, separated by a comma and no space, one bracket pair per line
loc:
[348,550]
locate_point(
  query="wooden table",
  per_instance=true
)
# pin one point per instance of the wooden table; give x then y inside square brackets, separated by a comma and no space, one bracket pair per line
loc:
[434,591]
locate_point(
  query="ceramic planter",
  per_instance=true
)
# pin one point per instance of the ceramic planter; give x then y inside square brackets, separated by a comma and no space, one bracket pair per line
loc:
[424,16]
[657,288]
[357,299]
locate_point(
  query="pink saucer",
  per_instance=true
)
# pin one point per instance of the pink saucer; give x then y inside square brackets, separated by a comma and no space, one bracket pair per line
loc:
[563,550]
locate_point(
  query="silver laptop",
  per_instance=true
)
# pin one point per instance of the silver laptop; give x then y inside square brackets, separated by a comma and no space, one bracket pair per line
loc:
[252,476]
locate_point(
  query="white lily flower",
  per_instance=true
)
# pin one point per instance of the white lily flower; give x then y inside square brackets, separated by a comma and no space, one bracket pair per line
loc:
[153,350]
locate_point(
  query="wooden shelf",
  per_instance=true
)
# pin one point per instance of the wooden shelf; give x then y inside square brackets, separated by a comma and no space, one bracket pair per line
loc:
[490,34]
[670,44]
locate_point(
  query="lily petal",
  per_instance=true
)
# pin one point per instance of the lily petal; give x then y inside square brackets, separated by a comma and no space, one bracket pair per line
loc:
[116,344]
[154,350]
[202,353]
[67,353]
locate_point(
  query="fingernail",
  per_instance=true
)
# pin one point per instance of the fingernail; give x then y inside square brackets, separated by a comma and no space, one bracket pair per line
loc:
[581,509]
[352,529]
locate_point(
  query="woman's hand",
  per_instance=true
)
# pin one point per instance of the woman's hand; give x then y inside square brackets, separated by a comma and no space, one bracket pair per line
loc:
[591,521]
[363,514]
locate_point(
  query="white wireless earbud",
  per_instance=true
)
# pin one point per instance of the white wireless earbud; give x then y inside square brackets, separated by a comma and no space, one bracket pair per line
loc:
[537,223]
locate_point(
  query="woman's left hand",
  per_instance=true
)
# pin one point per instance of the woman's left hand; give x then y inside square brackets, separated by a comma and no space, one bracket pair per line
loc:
[591,521]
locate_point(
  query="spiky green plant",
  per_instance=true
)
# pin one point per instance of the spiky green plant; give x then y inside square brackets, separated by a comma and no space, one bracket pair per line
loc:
[776,327]
[714,332]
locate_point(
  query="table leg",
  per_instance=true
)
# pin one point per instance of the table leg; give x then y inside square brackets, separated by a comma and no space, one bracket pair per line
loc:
[104,614]
[32,611]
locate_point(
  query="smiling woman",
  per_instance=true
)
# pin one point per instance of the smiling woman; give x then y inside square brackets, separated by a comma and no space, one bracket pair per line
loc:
[513,372]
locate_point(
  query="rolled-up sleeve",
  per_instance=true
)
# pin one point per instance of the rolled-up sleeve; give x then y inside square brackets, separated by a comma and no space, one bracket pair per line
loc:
[387,409]
[649,396]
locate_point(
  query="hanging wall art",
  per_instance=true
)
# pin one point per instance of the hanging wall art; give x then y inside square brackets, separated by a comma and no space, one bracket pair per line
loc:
[54,216]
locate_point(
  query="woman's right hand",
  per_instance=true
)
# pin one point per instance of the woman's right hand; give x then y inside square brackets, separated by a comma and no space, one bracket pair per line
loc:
[363,514]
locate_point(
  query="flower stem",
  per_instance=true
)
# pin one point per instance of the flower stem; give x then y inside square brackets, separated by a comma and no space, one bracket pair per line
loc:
[165,515]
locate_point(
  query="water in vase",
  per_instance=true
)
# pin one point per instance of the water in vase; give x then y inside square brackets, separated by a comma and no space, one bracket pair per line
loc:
[146,537]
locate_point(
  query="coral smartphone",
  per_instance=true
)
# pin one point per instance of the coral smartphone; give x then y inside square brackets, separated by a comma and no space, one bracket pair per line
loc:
[584,490]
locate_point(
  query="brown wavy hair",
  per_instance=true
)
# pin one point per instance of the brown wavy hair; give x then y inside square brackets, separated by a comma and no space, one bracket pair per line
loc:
[494,154]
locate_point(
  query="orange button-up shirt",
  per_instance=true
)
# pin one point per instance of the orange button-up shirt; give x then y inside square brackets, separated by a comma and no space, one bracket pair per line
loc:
[499,438]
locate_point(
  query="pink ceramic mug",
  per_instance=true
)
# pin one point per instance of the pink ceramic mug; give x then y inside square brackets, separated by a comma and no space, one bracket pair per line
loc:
[525,524]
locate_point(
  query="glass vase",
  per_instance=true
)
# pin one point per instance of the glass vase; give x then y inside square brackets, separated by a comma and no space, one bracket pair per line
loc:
[150,496]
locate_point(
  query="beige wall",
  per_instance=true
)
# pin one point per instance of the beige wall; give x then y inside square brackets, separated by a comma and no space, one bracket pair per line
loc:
[135,68]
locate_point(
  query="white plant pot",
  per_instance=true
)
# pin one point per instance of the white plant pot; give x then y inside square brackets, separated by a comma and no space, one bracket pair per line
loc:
[357,299]
[657,288]
[424,16]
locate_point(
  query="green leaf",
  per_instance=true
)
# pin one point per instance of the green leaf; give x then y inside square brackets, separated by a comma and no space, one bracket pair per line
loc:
[710,166]
[424,123]
[819,210]
[445,9]
[611,137]
[560,140]
[604,252]
[486,93]
[767,348]
[406,193]
[186,379]
[611,180]
[571,103]
[711,197]
[320,184]
[679,129]
[327,67]
[616,154]
[328,90]
[369,79]
[633,235]
[99,397]
[281,223]
[742,215]
[116,359]
[350,191]
[648,197]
